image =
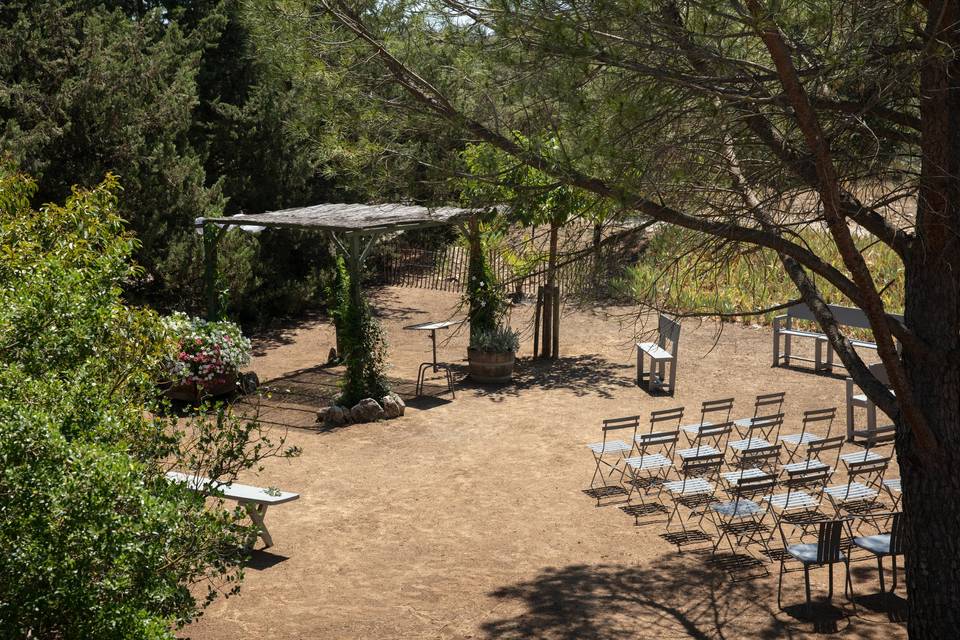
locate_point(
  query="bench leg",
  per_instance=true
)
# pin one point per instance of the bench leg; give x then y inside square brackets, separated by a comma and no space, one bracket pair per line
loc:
[639,367]
[257,513]
[673,376]
[818,355]
[776,346]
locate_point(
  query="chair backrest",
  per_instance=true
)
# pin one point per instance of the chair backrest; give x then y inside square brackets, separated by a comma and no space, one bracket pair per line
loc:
[897,546]
[769,404]
[716,408]
[714,434]
[755,486]
[817,418]
[760,457]
[818,449]
[828,541]
[669,331]
[706,465]
[880,437]
[631,423]
[666,419]
[808,477]
[768,426]
[872,469]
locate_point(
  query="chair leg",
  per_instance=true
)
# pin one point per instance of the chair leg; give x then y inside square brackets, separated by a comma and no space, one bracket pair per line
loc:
[806,584]
[780,585]
[830,583]
[851,596]
[673,376]
[880,572]
[893,587]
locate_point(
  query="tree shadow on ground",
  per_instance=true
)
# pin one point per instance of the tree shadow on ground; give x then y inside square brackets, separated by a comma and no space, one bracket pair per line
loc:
[282,332]
[673,596]
[584,375]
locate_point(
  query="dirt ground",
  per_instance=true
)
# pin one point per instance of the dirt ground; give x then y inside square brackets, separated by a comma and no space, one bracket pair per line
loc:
[467,518]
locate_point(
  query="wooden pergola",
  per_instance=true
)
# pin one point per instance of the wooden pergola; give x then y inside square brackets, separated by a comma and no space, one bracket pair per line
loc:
[352,227]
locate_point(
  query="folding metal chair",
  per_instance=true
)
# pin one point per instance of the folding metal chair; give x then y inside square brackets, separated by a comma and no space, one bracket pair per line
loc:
[817,418]
[695,489]
[856,497]
[650,467]
[871,443]
[709,439]
[815,454]
[742,517]
[826,550]
[615,449]
[712,412]
[758,456]
[767,404]
[885,544]
[762,431]
[799,506]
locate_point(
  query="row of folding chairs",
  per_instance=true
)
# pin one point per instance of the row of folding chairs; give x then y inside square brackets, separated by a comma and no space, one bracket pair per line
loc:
[645,459]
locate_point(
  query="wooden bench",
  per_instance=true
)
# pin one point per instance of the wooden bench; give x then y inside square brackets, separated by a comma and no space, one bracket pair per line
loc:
[254,499]
[668,331]
[783,327]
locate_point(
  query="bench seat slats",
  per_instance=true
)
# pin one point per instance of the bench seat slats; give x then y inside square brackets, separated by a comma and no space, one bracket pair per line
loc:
[235,491]
[655,351]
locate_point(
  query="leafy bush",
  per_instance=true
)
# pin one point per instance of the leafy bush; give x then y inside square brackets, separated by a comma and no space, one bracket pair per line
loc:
[206,352]
[500,339]
[364,354]
[98,544]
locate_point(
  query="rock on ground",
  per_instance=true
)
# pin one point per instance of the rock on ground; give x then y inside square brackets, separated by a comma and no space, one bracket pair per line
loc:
[393,406]
[367,410]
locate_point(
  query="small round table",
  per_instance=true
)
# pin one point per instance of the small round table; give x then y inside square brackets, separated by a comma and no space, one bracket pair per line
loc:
[432,327]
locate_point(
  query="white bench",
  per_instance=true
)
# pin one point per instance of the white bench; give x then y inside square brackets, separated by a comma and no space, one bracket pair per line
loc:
[783,328]
[254,499]
[668,331]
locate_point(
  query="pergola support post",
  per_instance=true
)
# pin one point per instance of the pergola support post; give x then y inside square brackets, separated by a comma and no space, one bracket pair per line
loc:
[211,239]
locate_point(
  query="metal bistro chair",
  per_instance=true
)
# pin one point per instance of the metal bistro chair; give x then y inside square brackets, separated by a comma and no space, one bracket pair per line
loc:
[885,544]
[656,449]
[856,497]
[816,452]
[711,412]
[767,404]
[793,442]
[695,490]
[709,439]
[615,449]
[827,550]
[742,517]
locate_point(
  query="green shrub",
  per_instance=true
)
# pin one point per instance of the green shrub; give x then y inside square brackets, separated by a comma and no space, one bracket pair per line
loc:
[97,543]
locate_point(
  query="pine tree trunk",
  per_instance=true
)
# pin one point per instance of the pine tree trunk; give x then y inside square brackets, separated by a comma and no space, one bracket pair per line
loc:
[554,310]
[931,483]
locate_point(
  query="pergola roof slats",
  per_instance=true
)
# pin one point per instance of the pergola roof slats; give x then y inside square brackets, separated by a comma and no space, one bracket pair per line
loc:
[351,218]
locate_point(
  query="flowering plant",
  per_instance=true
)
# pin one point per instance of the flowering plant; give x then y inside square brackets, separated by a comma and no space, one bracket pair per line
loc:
[207,353]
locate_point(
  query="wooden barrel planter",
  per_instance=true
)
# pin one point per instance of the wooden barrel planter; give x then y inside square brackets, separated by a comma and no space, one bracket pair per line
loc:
[488,367]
